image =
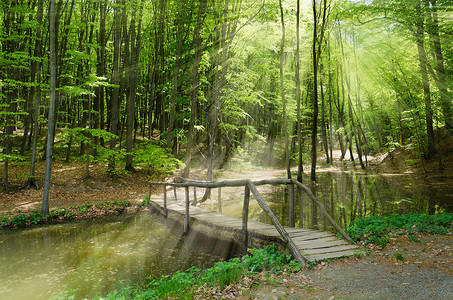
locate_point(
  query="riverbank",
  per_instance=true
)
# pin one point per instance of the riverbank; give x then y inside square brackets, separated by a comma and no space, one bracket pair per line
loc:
[70,187]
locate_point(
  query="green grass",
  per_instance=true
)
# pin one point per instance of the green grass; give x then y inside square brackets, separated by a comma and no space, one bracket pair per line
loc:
[186,285]
[377,230]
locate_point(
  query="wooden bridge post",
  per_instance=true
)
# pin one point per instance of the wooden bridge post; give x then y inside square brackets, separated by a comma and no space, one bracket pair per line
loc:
[174,190]
[219,200]
[149,194]
[291,221]
[195,195]
[186,218]
[245,217]
[165,201]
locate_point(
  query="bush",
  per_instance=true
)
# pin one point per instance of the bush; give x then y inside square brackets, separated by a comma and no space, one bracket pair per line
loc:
[58,214]
[156,160]
[377,230]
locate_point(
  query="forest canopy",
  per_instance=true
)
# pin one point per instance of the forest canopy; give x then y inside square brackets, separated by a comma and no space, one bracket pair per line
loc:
[277,81]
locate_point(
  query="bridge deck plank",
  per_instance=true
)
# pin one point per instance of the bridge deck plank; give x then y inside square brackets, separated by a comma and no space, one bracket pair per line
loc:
[312,244]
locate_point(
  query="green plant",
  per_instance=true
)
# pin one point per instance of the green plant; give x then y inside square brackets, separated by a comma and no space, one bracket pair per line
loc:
[266,259]
[156,160]
[145,201]
[19,220]
[398,256]
[183,285]
[413,238]
[377,230]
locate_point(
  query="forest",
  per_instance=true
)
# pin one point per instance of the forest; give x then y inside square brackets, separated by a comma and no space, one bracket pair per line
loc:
[165,84]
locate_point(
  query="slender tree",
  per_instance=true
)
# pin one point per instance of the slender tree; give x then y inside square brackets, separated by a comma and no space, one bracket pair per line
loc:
[319,27]
[115,103]
[51,117]
[195,83]
[300,167]
[282,91]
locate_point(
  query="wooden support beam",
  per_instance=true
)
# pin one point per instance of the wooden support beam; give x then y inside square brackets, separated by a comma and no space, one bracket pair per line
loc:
[219,200]
[245,217]
[292,247]
[187,216]
[291,221]
[181,182]
[149,194]
[195,195]
[165,201]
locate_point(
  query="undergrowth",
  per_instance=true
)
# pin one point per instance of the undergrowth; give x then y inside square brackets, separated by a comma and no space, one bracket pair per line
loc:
[378,230]
[35,217]
[192,282]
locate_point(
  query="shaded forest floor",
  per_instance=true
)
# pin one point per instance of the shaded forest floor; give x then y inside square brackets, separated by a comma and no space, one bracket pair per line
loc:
[71,187]
[410,160]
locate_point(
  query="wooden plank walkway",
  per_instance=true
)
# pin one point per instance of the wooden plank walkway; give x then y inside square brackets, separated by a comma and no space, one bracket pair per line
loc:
[312,244]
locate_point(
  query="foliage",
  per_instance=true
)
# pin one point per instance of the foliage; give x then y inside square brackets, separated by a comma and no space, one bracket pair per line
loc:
[183,285]
[266,259]
[156,160]
[377,229]
[58,214]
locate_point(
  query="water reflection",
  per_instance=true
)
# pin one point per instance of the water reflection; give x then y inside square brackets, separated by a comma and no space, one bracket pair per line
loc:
[94,256]
[352,195]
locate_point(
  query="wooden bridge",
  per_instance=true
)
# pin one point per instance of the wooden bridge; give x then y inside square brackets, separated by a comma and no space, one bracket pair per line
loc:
[304,244]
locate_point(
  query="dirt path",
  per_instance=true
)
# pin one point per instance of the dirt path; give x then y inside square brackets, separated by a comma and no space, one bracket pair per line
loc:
[423,270]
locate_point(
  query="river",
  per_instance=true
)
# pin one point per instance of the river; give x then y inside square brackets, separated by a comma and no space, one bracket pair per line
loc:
[92,257]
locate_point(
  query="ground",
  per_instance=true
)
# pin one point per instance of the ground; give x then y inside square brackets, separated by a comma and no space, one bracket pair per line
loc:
[403,270]
[71,187]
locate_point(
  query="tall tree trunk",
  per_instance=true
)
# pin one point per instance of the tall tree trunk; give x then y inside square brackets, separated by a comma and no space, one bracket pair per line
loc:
[323,120]
[330,107]
[195,84]
[300,167]
[282,91]
[135,44]
[115,103]
[175,77]
[441,78]
[36,94]
[318,36]
[99,100]
[51,118]
[423,61]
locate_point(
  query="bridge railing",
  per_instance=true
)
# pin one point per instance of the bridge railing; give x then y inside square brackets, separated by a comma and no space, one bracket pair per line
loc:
[249,187]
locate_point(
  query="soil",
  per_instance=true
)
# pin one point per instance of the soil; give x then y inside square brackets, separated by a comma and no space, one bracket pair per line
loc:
[404,270]
[71,187]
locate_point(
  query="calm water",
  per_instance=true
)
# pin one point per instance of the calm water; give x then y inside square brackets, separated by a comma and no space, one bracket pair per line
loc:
[349,195]
[94,256]
[352,195]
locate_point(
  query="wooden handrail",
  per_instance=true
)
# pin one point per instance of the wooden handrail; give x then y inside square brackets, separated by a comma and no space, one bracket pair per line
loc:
[250,186]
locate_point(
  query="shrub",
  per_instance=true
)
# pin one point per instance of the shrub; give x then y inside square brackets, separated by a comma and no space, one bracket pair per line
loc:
[156,160]
[183,285]
[377,230]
